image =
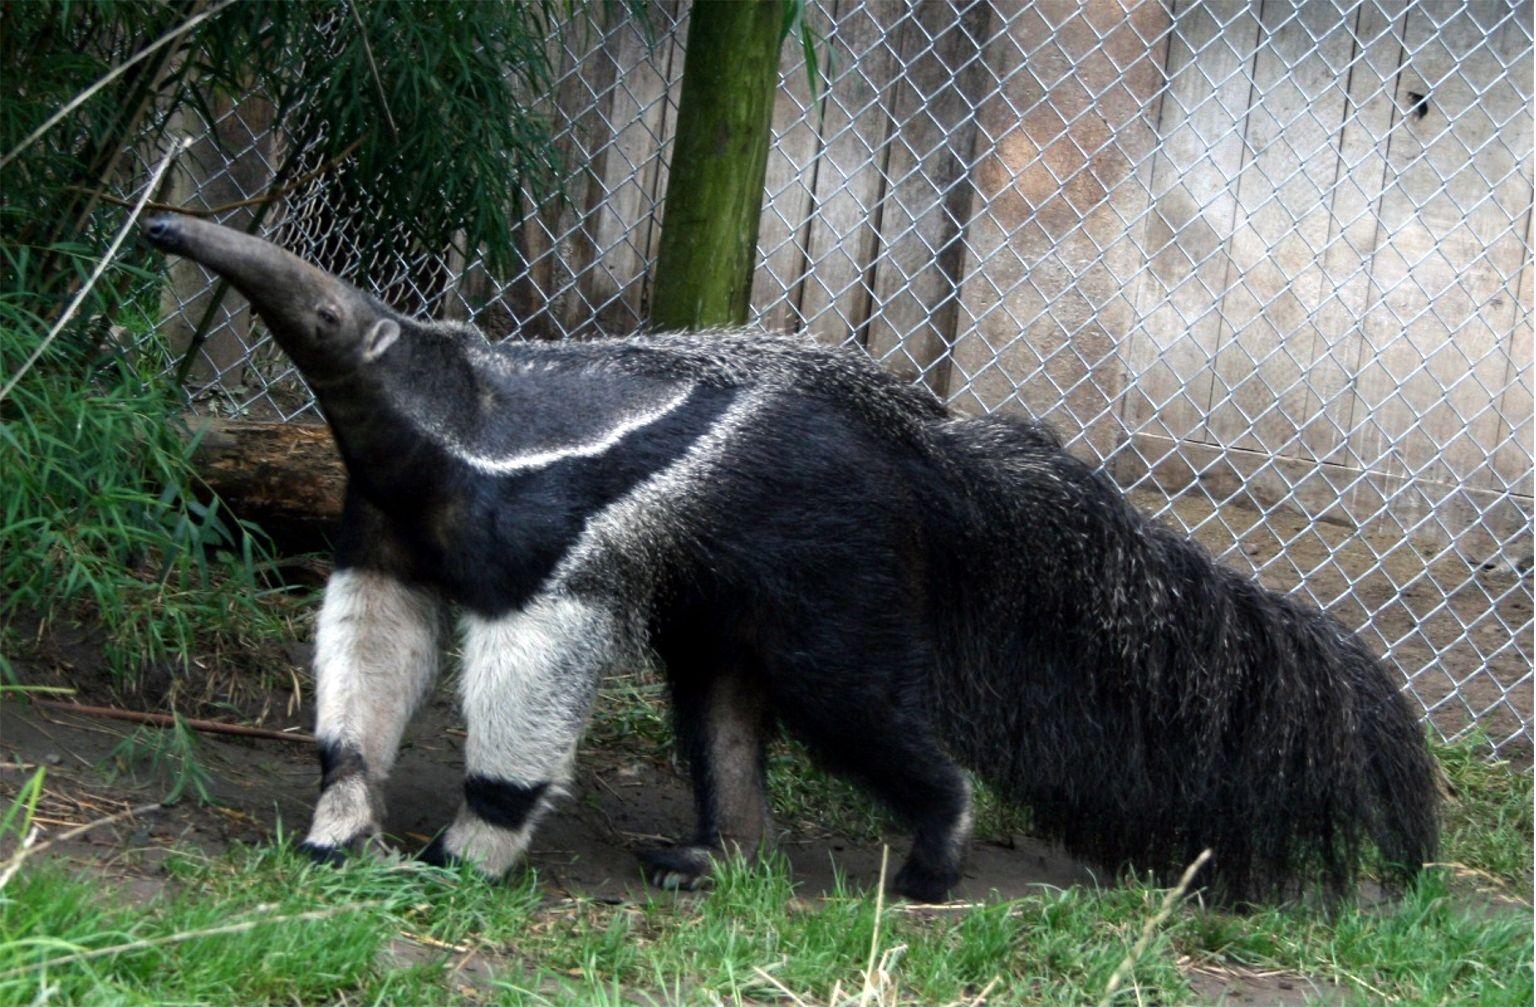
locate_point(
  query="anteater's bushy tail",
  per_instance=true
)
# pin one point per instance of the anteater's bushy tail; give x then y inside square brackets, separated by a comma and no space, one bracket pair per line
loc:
[1146,702]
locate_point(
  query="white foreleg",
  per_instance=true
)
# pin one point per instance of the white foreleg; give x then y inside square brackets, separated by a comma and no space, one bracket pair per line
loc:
[529,681]
[376,653]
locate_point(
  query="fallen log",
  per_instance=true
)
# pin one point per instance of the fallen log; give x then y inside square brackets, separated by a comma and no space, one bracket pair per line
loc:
[285,477]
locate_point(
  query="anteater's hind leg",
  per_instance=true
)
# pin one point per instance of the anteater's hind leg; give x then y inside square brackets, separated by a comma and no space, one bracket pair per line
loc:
[900,762]
[853,692]
[528,683]
[722,729]
[375,655]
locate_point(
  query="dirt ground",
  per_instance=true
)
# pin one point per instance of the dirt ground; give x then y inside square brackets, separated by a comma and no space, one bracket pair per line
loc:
[622,800]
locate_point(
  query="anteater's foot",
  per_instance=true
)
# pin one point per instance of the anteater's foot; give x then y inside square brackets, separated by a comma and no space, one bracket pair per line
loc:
[677,868]
[333,856]
[925,882]
[437,854]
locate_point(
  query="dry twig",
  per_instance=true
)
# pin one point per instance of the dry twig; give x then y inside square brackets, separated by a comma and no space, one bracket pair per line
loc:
[30,846]
[169,720]
[1150,928]
[870,986]
[270,196]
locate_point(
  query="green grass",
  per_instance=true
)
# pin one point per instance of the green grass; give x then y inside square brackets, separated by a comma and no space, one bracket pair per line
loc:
[750,939]
[1487,819]
[389,931]
[1058,947]
[166,757]
[1433,946]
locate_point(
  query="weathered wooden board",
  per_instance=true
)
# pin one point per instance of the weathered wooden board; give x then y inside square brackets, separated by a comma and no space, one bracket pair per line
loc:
[927,196]
[668,58]
[1362,172]
[1277,368]
[847,184]
[1200,156]
[206,177]
[1512,457]
[532,304]
[1068,136]
[1452,248]
[787,190]
[623,197]
[592,87]
[1268,378]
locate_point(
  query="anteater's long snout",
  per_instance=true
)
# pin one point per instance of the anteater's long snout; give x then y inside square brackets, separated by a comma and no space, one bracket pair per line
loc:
[278,283]
[162,232]
[165,232]
[241,258]
[317,318]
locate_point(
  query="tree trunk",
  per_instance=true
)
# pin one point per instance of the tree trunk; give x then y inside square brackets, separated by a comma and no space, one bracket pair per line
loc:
[719,158]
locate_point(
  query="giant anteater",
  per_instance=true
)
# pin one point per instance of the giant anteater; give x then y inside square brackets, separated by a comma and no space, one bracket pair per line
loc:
[795,539]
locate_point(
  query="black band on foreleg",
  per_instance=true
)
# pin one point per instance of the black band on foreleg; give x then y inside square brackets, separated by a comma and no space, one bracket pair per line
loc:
[330,856]
[676,868]
[502,803]
[338,761]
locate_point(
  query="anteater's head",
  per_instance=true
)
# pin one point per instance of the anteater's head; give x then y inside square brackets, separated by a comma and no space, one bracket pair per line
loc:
[329,327]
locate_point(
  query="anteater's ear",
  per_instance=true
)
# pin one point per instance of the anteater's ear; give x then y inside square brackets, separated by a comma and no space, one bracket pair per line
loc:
[380,338]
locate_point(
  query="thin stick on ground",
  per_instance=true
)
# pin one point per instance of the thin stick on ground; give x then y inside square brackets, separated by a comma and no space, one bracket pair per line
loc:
[189,935]
[23,850]
[30,846]
[270,196]
[770,978]
[986,991]
[1150,928]
[80,830]
[169,720]
[101,266]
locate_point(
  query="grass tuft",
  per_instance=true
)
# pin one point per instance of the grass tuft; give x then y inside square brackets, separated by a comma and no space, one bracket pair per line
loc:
[103,521]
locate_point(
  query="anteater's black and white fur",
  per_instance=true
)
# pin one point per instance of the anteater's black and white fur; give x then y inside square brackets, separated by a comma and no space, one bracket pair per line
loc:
[798,541]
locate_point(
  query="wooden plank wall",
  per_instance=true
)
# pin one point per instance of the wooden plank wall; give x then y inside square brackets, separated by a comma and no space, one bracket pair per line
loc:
[1214,242]
[1367,251]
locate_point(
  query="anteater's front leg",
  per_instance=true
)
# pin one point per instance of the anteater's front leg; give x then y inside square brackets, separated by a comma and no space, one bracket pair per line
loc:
[376,652]
[529,680]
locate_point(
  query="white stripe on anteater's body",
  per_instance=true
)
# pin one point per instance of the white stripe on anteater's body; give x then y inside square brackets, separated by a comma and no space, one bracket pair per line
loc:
[627,543]
[530,676]
[520,458]
[376,653]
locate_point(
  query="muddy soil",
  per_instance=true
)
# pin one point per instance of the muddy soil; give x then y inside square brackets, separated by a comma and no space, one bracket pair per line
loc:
[623,799]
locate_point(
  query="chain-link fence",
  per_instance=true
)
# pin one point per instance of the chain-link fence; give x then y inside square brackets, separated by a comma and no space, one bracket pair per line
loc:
[1270,264]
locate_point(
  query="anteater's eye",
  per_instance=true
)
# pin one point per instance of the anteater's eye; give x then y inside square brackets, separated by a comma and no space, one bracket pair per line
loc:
[328,314]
